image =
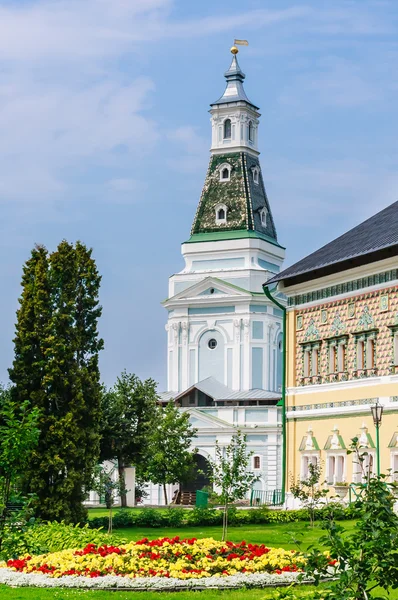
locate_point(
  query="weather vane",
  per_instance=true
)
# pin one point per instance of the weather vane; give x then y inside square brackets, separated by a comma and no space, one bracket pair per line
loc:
[234,49]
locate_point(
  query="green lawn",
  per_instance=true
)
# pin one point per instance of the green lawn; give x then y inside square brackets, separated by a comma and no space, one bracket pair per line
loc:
[282,536]
[272,535]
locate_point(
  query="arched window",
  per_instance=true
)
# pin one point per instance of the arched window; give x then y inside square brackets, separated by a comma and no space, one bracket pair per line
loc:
[225,172]
[227,129]
[221,214]
[263,217]
[256,462]
[251,131]
[255,171]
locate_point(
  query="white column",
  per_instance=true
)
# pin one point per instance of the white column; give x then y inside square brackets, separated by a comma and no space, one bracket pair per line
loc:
[185,357]
[129,477]
[236,375]
[176,361]
[246,375]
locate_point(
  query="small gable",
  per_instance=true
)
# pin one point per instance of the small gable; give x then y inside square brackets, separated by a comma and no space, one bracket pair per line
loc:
[335,441]
[309,442]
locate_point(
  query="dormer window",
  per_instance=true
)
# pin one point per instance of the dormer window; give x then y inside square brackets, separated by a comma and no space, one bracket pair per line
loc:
[225,172]
[256,173]
[263,217]
[221,214]
[250,132]
[227,129]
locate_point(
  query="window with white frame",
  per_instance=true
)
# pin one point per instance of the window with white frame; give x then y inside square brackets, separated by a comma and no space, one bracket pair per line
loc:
[256,462]
[306,460]
[394,464]
[225,172]
[335,468]
[227,129]
[263,217]
[251,131]
[364,468]
[256,174]
[332,358]
[360,354]
[221,214]
[341,357]
[307,362]
[315,361]
[370,353]
[395,343]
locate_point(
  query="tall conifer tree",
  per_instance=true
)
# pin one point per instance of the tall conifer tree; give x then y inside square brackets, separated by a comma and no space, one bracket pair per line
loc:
[56,368]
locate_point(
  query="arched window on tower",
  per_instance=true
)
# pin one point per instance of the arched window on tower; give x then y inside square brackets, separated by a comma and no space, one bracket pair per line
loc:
[225,172]
[227,129]
[251,138]
[221,214]
[263,217]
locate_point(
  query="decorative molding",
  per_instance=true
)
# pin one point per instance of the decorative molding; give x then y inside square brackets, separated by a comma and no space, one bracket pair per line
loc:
[344,288]
[365,321]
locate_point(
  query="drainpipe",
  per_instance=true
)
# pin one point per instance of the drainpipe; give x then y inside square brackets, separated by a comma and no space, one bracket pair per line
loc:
[282,402]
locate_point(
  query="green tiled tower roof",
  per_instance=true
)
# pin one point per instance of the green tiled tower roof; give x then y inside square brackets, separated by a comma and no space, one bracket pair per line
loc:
[243,198]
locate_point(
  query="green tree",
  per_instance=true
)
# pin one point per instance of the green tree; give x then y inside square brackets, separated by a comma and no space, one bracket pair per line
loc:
[128,411]
[18,436]
[106,485]
[169,458]
[56,368]
[309,490]
[230,473]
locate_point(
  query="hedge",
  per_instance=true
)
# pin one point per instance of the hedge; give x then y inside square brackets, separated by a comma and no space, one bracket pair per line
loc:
[179,517]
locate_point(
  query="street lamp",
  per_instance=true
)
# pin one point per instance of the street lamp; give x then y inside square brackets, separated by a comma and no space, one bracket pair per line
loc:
[377,413]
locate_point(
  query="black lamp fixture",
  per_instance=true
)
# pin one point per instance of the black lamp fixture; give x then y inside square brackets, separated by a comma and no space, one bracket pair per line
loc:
[377,413]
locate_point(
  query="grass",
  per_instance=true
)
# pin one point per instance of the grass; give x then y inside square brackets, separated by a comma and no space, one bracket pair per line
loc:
[272,535]
[281,536]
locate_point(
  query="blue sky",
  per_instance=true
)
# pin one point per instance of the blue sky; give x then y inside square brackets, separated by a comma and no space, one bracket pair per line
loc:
[104,137]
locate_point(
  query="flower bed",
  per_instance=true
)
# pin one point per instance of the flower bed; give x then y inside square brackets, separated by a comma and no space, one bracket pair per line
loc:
[166,562]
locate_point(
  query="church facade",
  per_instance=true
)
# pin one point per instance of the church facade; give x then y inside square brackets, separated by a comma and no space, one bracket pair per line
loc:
[224,337]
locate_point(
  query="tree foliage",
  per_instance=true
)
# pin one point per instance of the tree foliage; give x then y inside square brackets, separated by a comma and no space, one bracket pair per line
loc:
[367,558]
[18,436]
[309,490]
[55,367]
[128,411]
[230,473]
[169,458]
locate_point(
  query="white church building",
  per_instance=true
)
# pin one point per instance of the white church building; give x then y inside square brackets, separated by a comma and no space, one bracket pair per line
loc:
[224,338]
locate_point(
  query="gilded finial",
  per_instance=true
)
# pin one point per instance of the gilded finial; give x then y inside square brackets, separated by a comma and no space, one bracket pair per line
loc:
[234,49]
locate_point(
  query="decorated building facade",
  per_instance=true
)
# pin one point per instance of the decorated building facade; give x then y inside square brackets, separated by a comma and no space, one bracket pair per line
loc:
[223,334]
[342,352]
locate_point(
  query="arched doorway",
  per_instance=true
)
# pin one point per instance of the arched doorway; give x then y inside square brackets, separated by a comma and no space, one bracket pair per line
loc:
[201,477]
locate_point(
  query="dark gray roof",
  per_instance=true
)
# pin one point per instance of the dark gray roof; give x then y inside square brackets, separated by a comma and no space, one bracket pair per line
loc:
[376,234]
[234,92]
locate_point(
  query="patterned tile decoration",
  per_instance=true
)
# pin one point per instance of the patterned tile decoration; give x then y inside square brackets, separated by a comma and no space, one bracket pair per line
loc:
[365,321]
[324,316]
[312,333]
[368,316]
[338,326]
[383,302]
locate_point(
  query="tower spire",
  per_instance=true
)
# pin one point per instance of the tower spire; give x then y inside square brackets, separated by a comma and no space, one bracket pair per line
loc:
[234,91]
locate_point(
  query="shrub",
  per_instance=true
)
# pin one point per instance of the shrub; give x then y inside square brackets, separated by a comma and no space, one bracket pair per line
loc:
[198,517]
[38,538]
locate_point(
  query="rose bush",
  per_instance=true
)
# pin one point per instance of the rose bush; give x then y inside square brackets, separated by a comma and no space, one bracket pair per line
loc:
[166,558]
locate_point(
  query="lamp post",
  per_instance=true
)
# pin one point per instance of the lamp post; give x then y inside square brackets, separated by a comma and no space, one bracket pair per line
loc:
[377,413]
